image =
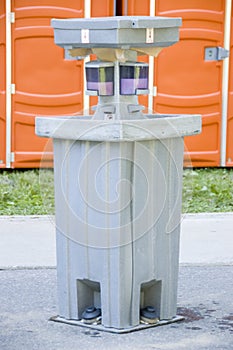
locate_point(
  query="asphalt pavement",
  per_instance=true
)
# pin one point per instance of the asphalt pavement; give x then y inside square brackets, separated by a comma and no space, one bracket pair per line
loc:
[28,291]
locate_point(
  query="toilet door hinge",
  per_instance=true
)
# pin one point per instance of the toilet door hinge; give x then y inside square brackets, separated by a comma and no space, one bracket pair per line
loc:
[12,89]
[12,157]
[12,17]
[154,91]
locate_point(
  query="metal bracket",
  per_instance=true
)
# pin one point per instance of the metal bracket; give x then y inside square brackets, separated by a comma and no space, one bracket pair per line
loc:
[67,56]
[12,17]
[12,88]
[216,53]
[12,157]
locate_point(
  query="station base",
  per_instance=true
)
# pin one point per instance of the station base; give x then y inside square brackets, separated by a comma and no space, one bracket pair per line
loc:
[100,327]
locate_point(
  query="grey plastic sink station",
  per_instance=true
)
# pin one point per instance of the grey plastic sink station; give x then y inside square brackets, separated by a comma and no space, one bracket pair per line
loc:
[118,181]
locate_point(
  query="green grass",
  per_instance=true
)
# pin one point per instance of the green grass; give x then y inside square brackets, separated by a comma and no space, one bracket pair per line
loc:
[208,190]
[28,192]
[31,192]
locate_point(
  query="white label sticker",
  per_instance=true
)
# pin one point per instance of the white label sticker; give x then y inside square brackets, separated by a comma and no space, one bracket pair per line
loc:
[149,35]
[85,36]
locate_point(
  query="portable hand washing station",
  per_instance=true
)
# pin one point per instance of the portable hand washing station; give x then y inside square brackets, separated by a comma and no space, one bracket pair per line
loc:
[118,181]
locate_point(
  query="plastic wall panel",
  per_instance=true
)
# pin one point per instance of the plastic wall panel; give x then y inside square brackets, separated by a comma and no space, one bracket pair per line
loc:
[136,7]
[229,150]
[186,82]
[102,8]
[2,85]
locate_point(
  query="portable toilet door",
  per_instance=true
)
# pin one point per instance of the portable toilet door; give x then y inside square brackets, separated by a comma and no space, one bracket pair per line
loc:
[192,76]
[43,82]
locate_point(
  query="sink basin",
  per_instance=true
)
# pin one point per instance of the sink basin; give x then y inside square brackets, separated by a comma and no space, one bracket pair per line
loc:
[89,129]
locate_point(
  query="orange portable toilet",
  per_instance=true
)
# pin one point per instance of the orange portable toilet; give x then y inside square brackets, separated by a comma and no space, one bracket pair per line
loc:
[2,86]
[188,80]
[42,81]
[229,124]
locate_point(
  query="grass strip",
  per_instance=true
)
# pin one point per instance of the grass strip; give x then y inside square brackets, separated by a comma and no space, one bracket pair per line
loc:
[31,192]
